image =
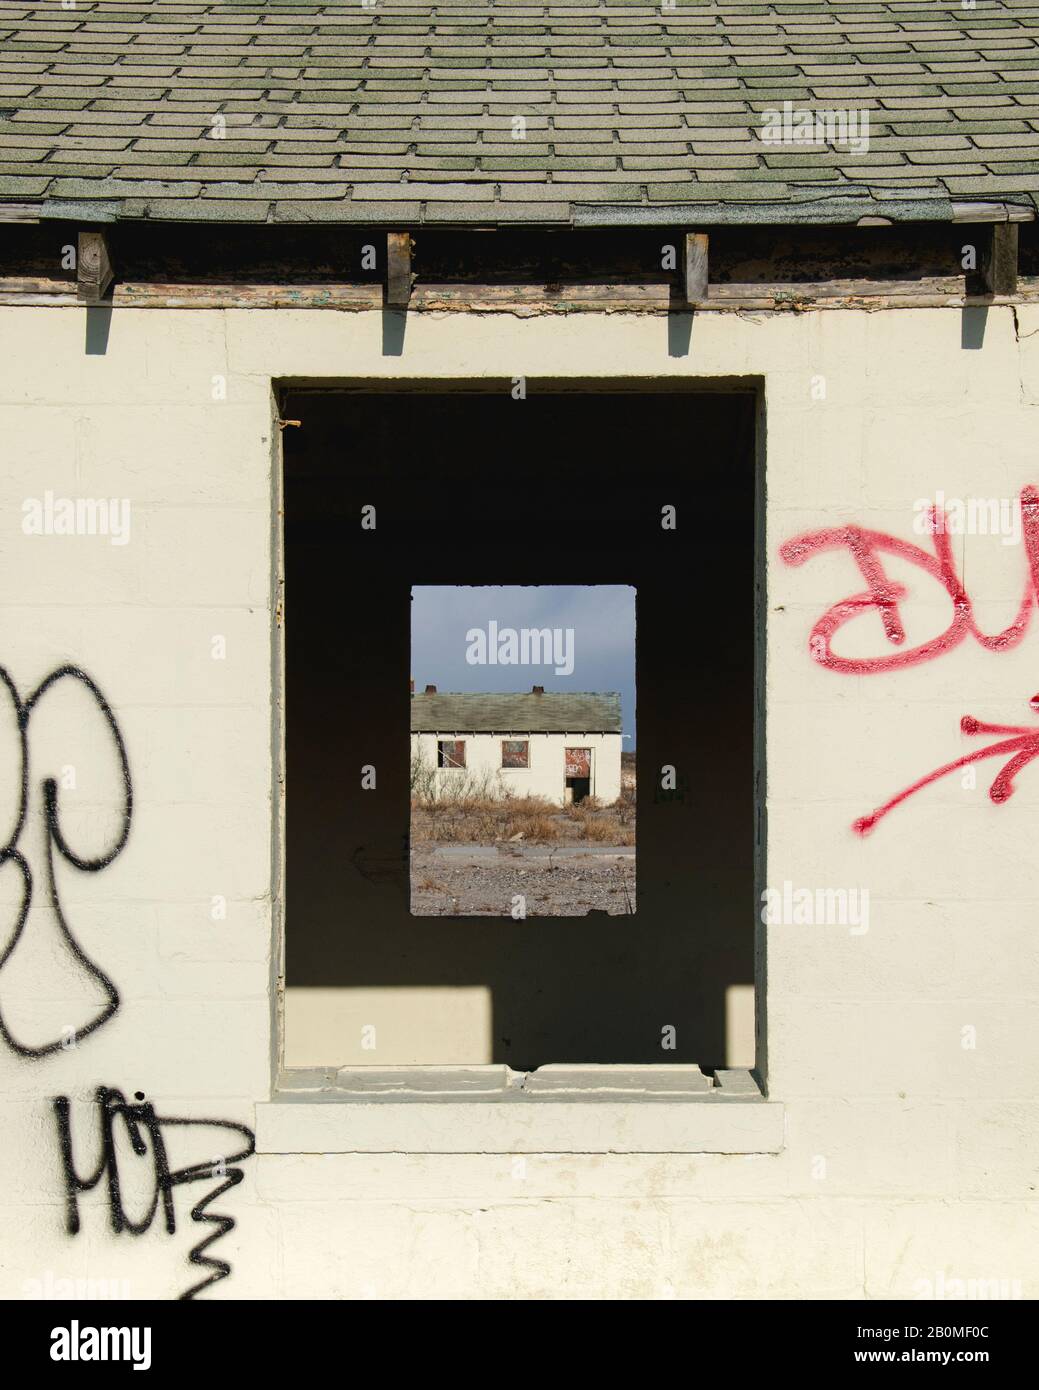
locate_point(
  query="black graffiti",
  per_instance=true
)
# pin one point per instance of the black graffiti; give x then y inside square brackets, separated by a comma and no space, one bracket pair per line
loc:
[144,1132]
[10,853]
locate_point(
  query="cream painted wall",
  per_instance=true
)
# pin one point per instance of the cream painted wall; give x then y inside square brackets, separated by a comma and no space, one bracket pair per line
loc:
[904,1055]
[545,775]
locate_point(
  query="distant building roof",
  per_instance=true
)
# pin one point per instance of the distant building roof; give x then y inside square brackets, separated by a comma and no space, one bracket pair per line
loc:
[405,113]
[551,713]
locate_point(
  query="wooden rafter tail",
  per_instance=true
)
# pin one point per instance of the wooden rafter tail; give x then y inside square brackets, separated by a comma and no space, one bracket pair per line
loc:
[94,272]
[399,277]
[696,278]
[999,259]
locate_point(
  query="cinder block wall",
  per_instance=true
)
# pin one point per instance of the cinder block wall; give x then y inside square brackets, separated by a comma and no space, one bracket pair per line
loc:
[905,1053]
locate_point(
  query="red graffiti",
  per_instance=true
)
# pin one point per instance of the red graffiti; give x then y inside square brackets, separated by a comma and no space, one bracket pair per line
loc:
[1021,744]
[885,595]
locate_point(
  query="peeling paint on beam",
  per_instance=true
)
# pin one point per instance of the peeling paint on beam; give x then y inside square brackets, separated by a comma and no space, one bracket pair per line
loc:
[526,300]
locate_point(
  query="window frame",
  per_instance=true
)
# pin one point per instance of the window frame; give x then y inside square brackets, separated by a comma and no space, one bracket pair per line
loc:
[451,767]
[515,767]
[737,1116]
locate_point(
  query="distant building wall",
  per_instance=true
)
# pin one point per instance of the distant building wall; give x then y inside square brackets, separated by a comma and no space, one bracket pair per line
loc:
[545,776]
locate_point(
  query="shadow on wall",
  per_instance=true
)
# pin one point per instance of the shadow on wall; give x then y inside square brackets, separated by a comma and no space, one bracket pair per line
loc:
[679,325]
[394,326]
[98,327]
[973,321]
[560,488]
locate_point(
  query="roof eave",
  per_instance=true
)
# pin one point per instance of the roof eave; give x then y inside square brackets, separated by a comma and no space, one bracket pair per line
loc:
[846,210]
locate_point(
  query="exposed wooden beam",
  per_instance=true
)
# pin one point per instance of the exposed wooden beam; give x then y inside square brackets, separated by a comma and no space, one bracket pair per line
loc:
[541,298]
[999,259]
[93,267]
[695,267]
[399,278]
[19,212]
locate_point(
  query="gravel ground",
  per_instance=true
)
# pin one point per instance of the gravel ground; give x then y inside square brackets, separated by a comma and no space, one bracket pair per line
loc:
[481,881]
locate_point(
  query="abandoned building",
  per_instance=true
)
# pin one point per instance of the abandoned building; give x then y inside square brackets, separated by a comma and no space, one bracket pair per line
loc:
[563,747]
[729,302]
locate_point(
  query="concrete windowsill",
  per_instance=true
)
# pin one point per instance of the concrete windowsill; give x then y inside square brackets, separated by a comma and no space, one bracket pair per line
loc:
[556,1109]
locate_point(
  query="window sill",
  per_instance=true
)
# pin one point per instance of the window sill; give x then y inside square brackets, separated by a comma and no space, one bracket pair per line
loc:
[557,1109]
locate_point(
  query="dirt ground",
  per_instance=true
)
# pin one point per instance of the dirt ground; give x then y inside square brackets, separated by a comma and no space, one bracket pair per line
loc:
[521,820]
[485,881]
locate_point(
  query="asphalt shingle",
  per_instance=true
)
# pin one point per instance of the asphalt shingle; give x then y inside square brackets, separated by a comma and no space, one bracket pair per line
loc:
[566,112]
[582,712]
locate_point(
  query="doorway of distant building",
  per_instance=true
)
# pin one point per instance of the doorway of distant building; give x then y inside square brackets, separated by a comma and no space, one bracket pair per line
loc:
[578,775]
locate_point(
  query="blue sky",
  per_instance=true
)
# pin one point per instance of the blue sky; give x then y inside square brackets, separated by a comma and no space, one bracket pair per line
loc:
[602,617]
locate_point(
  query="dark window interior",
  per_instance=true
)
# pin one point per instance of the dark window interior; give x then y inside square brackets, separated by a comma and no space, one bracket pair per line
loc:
[594,988]
[451,752]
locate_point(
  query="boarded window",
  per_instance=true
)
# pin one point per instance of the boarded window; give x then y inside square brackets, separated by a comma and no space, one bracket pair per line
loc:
[515,752]
[578,762]
[450,752]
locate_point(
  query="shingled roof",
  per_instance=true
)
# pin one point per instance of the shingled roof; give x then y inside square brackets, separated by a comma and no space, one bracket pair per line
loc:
[403,113]
[550,713]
